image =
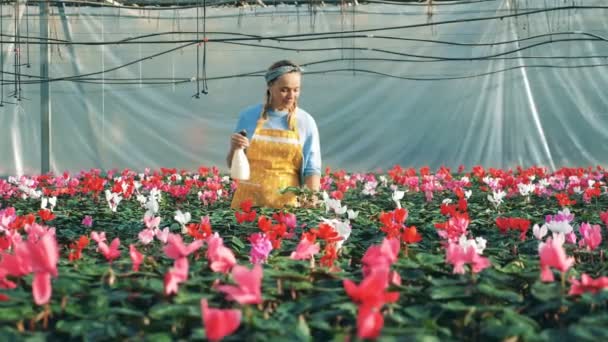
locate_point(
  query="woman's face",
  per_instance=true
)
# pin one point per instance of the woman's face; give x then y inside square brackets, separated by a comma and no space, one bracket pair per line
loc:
[284,91]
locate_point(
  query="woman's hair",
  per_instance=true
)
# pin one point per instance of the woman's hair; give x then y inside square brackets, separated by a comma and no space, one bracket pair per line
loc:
[291,117]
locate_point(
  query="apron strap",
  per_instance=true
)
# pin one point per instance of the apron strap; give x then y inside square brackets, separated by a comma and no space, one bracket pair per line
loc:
[261,121]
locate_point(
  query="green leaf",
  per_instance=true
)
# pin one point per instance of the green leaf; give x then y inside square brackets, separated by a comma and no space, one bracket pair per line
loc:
[418,312]
[197,334]
[152,284]
[514,267]
[237,243]
[125,312]
[159,337]
[449,281]
[78,328]
[35,337]
[406,263]
[9,333]
[502,294]
[302,330]
[455,305]
[164,310]
[430,259]
[450,292]
[546,292]
[16,313]
[511,324]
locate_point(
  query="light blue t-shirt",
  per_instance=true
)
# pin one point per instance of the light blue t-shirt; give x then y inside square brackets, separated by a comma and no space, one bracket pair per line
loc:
[307,129]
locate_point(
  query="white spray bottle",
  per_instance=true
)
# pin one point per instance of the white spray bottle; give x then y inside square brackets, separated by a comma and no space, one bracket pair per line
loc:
[240,165]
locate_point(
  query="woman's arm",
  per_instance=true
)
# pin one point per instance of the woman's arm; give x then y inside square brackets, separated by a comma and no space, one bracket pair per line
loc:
[311,150]
[313,182]
[237,140]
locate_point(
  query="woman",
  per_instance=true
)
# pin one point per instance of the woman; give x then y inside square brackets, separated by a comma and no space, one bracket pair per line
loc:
[282,142]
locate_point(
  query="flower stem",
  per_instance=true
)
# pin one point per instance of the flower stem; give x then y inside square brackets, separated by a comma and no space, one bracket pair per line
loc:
[249,316]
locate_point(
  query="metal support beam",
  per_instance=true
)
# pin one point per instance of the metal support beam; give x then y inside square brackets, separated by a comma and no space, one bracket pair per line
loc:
[45,99]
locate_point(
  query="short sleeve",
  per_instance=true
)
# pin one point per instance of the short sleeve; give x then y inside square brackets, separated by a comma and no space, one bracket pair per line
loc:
[312,150]
[247,120]
[241,123]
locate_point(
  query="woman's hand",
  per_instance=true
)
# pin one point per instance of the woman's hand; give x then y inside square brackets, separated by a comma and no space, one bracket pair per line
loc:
[238,141]
[310,203]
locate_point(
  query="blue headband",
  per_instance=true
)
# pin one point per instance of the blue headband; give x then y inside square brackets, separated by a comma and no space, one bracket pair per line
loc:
[275,73]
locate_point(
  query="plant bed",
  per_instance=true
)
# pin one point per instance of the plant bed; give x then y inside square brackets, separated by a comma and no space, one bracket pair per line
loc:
[407,254]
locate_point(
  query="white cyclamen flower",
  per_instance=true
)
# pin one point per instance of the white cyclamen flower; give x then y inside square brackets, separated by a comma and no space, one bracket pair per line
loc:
[539,232]
[479,244]
[397,196]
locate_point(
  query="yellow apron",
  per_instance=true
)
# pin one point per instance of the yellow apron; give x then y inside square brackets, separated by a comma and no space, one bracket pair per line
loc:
[275,161]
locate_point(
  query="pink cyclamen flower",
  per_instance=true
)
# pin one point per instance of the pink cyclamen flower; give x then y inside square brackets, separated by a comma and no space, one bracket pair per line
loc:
[221,259]
[571,238]
[380,256]
[552,254]
[44,254]
[305,250]
[288,219]
[591,236]
[369,322]
[146,236]
[110,252]
[38,255]
[162,235]
[261,247]
[176,275]
[87,221]
[219,323]
[136,257]
[459,256]
[151,222]
[588,284]
[175,247]
[98,237]
[248,289]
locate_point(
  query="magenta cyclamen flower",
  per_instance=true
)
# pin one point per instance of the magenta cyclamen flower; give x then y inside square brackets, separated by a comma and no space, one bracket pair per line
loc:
[87,221]
[261,247]
[561,216]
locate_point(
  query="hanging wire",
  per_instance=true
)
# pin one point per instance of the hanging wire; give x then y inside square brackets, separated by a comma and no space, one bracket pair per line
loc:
[294,38]
[205,88]
[354,41]
[325,35]
[422,58]
[27,30]
[139,6]
[198,61]
[342,27]
[241,37]
[103,91]
[260,73]
[16,49]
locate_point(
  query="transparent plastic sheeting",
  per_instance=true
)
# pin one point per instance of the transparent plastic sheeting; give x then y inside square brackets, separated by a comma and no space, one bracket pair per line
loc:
[455,108]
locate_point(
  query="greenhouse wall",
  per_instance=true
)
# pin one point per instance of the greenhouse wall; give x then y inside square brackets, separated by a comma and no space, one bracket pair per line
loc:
[495,83]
